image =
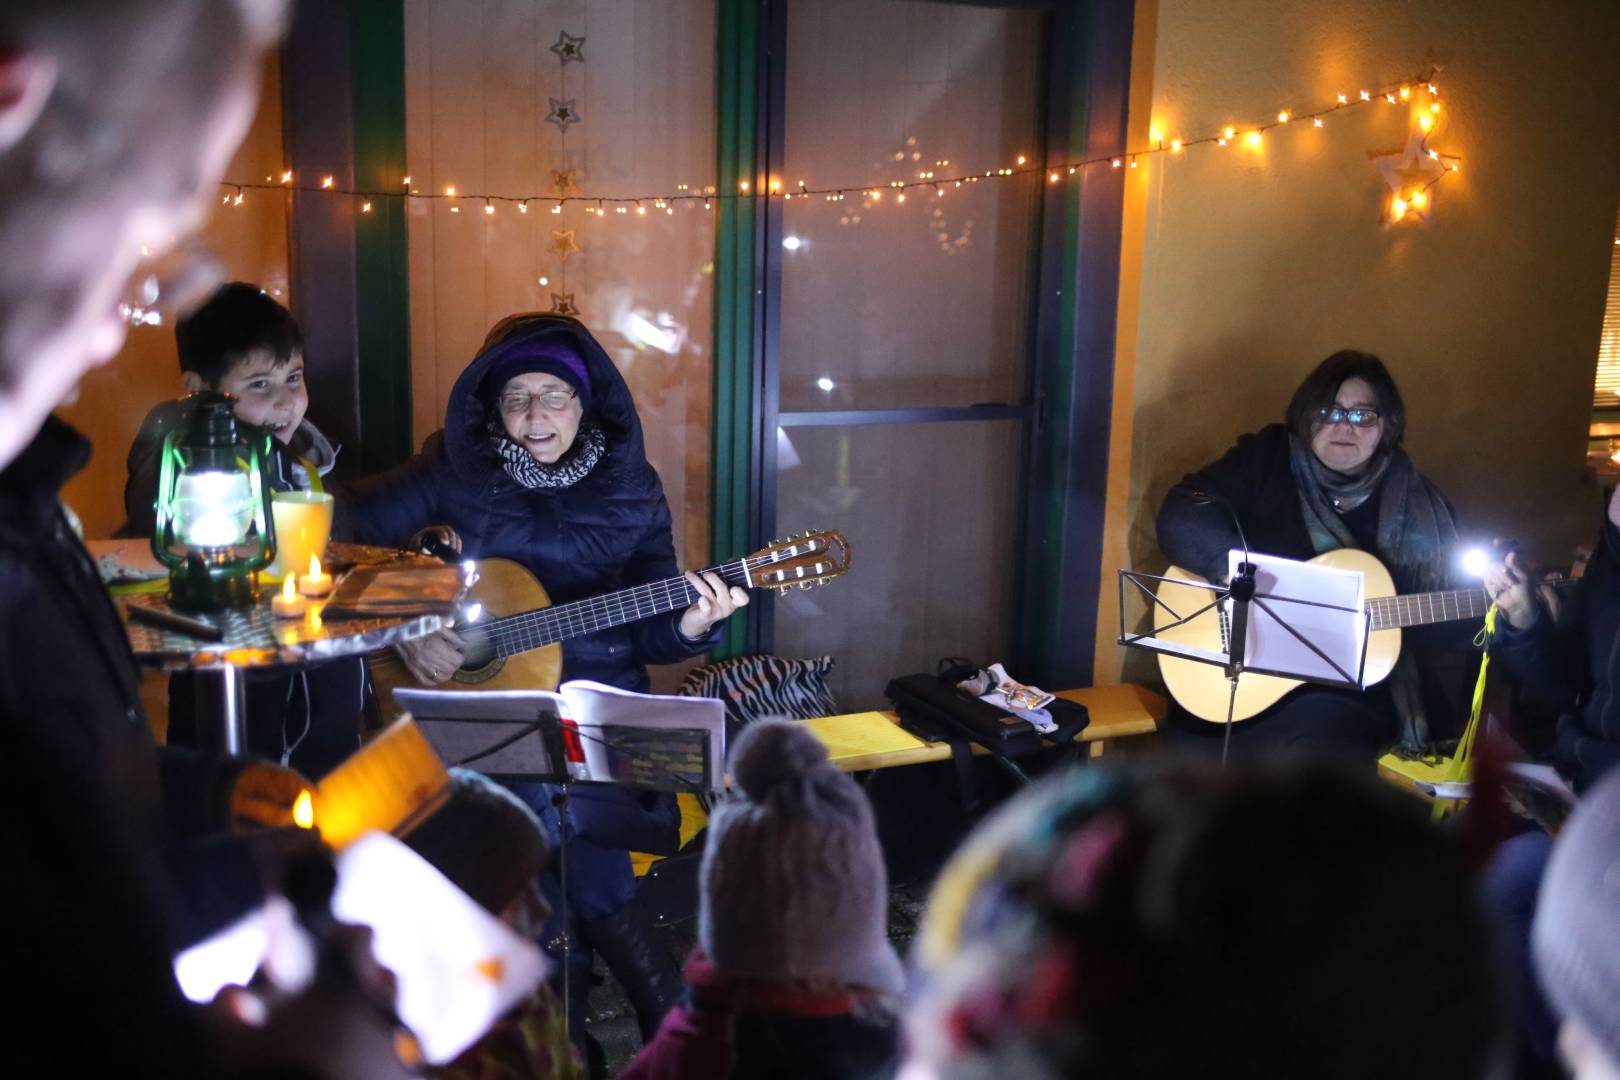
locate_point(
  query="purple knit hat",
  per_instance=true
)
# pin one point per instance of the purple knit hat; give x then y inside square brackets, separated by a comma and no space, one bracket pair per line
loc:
[526,355]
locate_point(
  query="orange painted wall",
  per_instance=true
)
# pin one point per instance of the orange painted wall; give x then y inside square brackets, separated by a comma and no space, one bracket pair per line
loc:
[1244,269]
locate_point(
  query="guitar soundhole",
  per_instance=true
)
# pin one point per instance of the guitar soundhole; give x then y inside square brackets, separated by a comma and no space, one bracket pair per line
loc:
[474,675]
[481,663]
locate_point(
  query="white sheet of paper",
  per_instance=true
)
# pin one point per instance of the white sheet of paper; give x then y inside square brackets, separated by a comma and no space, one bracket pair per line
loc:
[594,705]
[1337,633]
[459,967]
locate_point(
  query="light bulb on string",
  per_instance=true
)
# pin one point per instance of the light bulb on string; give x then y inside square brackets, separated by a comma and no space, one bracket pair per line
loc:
[286,177]
[1343,100]
[523,206]
[365,207]
[1365,96]
[326,183]
[450,192]
[1406,93]
[1283,117]
[489,208]
[1175,146]
[406,182]
[1317,121]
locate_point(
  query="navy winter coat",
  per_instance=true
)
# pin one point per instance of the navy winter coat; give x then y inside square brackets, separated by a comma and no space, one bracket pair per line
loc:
[609,531]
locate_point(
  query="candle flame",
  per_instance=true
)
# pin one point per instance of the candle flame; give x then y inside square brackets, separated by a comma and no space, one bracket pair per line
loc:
[304,810]
[314,568]
[289,587]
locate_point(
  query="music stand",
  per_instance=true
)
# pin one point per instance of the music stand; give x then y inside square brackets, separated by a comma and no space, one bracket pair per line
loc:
[520,735]
[1232,604]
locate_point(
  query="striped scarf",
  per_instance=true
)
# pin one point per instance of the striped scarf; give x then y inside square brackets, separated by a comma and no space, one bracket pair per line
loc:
[590,446]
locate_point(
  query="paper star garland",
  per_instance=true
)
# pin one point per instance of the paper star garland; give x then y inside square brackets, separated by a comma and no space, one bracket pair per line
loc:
[569,48]
[562,244]
[564,181]
[563,113]
[563,304]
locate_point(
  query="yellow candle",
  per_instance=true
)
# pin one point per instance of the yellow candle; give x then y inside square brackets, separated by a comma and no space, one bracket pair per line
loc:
[303,523]
[316,583]
[287,604]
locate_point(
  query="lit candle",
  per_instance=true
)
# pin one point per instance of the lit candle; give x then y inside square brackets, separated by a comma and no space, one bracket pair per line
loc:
[287,604]
[316,583]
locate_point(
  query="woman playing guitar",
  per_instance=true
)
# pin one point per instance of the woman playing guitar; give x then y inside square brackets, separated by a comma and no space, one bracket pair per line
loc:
[1332,476]
[541,462]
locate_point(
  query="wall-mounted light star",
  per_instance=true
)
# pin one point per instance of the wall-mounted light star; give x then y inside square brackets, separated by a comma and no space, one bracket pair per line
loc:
[563,304]
[1412,171]
[569,47]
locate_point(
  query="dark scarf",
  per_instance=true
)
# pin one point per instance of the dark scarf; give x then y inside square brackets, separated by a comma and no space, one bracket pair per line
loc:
[590,446]
[1416,533]
[1416,536]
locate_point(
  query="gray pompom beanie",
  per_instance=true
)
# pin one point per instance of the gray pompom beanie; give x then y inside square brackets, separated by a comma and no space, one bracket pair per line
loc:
[1576,936]
[793,880]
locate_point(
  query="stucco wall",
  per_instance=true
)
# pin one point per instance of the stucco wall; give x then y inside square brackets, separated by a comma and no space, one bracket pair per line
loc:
[1242,269]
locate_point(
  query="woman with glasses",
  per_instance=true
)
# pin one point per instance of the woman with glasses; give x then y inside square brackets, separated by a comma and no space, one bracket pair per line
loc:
[541,461]
[1332,475]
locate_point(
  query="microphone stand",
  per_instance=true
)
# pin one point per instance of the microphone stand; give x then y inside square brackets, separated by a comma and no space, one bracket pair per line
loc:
[1239,594]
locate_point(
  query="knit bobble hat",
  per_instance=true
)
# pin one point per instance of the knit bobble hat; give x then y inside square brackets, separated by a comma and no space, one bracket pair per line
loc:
[1576,935]
[486,840]
[793,882]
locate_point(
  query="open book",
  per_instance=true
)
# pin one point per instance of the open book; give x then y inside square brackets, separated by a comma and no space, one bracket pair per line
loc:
[583,731]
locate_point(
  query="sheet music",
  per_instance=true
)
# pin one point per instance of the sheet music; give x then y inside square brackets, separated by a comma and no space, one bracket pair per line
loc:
[1323,604]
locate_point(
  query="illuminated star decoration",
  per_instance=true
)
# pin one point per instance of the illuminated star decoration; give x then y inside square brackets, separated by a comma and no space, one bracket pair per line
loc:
[563,304]
[562,244]
[563,182]
[569,48]
[1410,173]
[562,114]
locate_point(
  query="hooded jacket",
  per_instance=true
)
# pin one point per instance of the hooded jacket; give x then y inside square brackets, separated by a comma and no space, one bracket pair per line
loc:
[608,531]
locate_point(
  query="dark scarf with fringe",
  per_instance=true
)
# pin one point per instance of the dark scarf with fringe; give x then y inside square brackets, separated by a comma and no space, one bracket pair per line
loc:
[590,447]
[1416,535]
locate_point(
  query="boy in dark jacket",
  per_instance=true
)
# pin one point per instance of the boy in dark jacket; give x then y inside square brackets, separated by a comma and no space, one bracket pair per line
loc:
[244,343]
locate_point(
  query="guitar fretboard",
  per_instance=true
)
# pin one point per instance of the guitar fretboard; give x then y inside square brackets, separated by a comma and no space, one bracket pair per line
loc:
[1419,609]
[527,630]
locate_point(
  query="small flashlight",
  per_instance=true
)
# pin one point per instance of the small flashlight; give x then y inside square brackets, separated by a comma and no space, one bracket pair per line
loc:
[1475,562]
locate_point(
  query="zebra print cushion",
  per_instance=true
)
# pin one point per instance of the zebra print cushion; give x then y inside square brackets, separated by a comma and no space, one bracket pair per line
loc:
[756,686]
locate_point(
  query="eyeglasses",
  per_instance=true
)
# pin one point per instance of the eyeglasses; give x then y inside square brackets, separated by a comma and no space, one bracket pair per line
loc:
[1356,417]
[170,286]
[555,400]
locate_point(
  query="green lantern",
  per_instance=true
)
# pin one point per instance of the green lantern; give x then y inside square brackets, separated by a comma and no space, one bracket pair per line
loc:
[214,527]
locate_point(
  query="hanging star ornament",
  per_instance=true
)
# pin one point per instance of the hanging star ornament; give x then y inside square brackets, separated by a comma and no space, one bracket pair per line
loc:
[1411,172]
[562,244]
[564,181]
[563,113]
[569,48]
[563,304]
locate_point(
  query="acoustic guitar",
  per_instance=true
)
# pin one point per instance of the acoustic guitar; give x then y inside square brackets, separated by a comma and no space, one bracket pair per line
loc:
[1203,689]
[514,635]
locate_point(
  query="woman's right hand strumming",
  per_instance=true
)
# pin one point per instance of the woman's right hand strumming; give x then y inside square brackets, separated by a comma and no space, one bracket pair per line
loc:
[433,659]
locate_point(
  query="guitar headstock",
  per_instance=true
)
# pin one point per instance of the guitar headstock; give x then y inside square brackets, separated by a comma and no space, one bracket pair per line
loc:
[805,560]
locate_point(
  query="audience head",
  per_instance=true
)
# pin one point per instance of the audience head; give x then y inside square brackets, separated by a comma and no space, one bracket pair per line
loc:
[1348,380]
[1263,923]
[489,844]
[117,118]
[1576,936]
[246,344]
[793,884]
[537,385]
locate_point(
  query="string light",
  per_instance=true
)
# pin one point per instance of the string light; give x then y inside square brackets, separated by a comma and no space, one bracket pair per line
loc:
[1253,137]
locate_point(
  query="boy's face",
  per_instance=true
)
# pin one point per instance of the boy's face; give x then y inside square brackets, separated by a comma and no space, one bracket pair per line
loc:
[271,397]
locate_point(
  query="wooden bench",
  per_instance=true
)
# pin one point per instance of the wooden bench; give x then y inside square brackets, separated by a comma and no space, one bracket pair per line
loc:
[875,740]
